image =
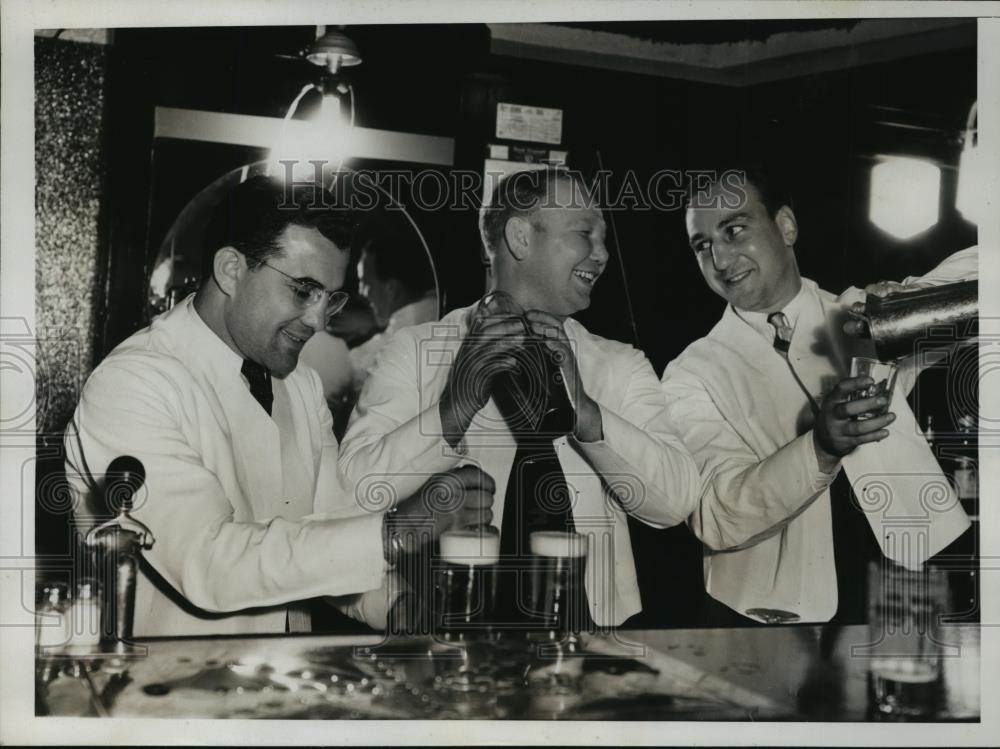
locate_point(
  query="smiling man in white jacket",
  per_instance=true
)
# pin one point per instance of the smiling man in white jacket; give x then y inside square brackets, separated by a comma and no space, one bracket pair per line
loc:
[242,491]
[771,425]
[429,402]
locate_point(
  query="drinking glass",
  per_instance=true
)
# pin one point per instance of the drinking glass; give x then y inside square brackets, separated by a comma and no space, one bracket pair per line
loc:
[465,581]
[52,620]
[533,397]
[557,580]
[904,611]
[884,376]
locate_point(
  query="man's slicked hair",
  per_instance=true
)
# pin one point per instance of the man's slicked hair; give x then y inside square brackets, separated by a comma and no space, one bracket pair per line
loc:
[254,214]
[770,182]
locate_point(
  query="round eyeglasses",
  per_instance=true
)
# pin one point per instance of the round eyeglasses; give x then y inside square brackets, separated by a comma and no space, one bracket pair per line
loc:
[308,294]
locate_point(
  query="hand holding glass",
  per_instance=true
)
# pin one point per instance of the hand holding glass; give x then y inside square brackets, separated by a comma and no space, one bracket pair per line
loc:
[884,376]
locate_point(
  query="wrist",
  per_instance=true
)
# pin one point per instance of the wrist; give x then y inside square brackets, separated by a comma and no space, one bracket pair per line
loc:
[451,427]
[827,461]
[456,416]
[589,425]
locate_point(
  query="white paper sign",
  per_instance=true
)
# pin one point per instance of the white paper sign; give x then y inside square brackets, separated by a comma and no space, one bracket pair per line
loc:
[535,124]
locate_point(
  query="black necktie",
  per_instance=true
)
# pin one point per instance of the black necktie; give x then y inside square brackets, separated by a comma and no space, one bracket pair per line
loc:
[537,411]
[854,544]
[260,383]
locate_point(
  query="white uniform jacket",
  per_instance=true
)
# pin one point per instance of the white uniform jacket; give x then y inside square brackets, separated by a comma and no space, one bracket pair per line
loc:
[394,440]
[230,548]
[764,515]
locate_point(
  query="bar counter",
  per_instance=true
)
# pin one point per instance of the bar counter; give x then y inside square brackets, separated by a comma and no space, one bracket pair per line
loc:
[758,673]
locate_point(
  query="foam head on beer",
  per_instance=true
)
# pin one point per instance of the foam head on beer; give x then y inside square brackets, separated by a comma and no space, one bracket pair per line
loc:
[558,544]
[473,548]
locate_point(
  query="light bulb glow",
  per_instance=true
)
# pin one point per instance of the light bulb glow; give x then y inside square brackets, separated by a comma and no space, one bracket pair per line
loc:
[905,195]
[971,184]
[325,138]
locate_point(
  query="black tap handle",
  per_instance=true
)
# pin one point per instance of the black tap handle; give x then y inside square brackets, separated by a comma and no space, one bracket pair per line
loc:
[123,478]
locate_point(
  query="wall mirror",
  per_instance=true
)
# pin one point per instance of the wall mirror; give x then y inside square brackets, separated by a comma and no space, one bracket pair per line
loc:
[179,213]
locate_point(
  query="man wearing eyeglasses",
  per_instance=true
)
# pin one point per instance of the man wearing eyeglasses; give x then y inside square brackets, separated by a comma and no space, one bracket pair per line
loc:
[242,491]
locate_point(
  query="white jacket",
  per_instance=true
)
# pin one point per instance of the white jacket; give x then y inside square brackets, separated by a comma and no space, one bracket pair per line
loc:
[230,550]
[764,515]
[394,441]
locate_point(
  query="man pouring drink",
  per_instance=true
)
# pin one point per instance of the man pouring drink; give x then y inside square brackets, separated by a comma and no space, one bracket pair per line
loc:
[772,412]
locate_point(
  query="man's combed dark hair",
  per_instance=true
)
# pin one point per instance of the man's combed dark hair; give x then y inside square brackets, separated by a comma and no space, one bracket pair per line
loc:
[253,215]
[518,194]
[769,180]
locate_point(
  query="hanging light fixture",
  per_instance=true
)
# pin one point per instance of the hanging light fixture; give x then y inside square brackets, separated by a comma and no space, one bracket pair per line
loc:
[969,199]
[333,50]
[327,137]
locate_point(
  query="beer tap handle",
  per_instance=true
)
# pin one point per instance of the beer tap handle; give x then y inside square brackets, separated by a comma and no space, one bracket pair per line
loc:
[125,476]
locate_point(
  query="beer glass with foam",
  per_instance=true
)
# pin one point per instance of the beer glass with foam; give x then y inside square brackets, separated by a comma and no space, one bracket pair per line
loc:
[557,580]
[465,582]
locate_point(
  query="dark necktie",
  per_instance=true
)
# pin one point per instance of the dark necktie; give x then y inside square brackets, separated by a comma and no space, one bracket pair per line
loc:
[782,332]
[853,543]
[260,383]
[537,411]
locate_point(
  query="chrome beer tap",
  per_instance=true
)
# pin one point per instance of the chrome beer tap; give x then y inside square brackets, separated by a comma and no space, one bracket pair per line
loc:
[119,542]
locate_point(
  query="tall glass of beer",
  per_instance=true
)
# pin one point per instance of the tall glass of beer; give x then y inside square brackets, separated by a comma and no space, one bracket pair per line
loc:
[465,582]
[905,607]
[557,580]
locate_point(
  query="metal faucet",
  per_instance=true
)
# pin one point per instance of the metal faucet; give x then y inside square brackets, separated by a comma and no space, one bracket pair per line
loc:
[120,541]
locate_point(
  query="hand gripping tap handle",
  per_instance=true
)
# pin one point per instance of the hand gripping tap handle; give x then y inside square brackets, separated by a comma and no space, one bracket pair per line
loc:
[120,541]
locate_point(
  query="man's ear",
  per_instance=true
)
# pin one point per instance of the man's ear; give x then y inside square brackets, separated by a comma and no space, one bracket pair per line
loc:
[517,234]
[228,267]
[787,225]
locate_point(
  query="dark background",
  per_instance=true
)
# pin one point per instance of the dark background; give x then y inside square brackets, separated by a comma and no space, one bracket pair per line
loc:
[826,128]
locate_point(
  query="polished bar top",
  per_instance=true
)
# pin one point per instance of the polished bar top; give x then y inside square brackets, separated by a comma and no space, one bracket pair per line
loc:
[758,673]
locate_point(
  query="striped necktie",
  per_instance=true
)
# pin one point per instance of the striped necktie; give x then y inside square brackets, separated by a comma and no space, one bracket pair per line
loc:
[782,332]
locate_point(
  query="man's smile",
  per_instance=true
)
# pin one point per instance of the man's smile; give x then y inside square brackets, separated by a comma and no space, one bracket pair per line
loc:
[297,340]
[736,278]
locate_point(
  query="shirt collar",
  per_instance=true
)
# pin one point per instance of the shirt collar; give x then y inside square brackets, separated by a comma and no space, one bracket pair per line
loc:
[212,352]
[792,310]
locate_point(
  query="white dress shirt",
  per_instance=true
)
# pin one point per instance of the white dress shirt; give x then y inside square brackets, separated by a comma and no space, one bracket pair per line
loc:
[248,511]
[394,441]
[764,515]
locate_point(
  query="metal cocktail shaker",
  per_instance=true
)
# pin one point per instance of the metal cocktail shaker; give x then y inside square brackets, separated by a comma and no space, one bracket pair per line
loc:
[898,321]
